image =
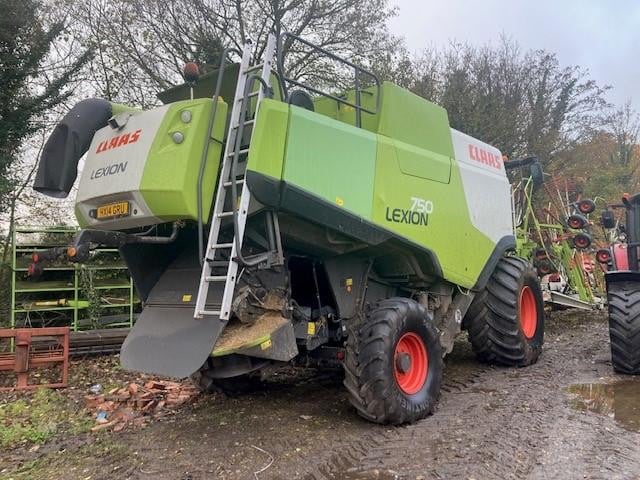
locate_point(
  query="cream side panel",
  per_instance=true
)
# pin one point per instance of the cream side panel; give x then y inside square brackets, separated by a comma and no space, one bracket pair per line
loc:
[115,174]
[486,186]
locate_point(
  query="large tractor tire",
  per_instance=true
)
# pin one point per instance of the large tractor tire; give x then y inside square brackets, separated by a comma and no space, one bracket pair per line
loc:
[624,326]
[506,319]
[393,365]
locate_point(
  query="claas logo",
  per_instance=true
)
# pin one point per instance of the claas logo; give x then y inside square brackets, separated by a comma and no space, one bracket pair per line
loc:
[484,157]
[119,141]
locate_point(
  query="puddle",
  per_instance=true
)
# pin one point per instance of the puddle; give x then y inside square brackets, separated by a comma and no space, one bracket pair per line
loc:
[618,400]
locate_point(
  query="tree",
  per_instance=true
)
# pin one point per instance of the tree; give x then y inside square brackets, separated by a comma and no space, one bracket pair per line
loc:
[28,88]
[624,124]
[521,102]
[142,45]
[38,62]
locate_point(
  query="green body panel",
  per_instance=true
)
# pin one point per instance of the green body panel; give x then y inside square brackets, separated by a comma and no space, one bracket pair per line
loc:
[269,138]
[461,249]
[333,160]
[118,108]
[409,118]
[422,163]
[170,178]
[377,177]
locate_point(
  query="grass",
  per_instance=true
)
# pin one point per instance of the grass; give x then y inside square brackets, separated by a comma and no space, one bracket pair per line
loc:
[39,417]
[99,459]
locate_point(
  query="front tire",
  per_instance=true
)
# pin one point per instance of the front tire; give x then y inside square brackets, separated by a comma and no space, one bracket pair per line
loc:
[506,319]
[624,326]
[393,366]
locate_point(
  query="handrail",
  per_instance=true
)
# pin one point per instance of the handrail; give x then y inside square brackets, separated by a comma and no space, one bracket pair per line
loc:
[205,151]
[268,92]
[357,71]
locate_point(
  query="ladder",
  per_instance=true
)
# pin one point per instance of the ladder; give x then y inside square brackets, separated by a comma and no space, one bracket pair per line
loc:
[230,179]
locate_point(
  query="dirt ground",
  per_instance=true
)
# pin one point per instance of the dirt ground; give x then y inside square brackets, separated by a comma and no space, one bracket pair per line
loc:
[491,423]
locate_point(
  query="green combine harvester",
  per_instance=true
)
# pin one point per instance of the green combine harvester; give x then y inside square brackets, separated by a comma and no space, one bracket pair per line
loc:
[264,220]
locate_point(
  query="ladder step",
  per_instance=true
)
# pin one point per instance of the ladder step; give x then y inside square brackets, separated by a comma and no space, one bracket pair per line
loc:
[222,245]
[248,122]
[251,95]
[248,95]
[217,263]
[216,278]
[240,181]
[254,68]
[240,152]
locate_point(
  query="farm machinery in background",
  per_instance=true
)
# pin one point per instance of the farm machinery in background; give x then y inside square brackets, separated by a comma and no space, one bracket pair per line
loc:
[621,223]
[557,238]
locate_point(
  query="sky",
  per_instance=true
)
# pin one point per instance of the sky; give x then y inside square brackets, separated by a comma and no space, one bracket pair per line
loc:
[600,35]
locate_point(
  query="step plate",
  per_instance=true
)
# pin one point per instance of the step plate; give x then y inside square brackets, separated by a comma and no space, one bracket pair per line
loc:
[169,341]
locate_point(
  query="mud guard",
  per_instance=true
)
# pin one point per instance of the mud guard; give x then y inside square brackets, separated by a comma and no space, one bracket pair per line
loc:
[169,341]
[166,339]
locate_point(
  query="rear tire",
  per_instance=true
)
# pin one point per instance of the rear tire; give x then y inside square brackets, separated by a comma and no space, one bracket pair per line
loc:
[506,319]
[624,326]
[393,365]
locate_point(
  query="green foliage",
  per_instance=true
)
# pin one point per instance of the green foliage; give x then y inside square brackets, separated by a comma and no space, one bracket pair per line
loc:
[89,292]
[27,91]
[522,102]
[38,418]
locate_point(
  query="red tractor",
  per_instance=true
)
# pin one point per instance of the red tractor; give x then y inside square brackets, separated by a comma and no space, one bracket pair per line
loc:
[623,283]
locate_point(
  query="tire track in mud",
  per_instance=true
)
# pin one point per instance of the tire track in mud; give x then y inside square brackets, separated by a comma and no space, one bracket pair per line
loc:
[500,423]
[353,456]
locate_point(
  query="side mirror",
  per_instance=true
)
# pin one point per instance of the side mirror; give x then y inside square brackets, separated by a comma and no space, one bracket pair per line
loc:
[608,219]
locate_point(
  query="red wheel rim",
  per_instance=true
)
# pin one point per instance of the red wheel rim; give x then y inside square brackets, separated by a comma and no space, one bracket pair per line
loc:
[603,256]
[528,312]
[575,224]
[410,363]
[582,242]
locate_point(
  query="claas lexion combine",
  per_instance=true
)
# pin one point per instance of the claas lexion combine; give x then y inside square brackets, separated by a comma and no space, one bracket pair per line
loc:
[264,220]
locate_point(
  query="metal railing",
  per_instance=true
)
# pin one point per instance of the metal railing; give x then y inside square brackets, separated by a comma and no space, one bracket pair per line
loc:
[358,72]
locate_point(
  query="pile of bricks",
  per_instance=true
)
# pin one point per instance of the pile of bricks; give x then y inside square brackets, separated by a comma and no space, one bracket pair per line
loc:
[134,404]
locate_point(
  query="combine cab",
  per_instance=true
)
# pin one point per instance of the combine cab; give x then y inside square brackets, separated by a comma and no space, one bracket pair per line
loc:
[265,220]
[623,283]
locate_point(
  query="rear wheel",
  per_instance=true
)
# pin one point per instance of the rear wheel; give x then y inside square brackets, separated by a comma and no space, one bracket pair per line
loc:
[393,366]
[506,319]
[624,326]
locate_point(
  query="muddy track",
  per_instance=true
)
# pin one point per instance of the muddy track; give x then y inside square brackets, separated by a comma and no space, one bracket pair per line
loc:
[491,423]
[502,423]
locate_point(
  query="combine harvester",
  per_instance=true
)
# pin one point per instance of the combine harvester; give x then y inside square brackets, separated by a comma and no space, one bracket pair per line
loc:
[353,229]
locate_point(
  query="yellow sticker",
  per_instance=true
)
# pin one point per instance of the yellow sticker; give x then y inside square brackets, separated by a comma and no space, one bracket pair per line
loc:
[311,328]
[265,345]
[348,282]
[186,298]
[340,201]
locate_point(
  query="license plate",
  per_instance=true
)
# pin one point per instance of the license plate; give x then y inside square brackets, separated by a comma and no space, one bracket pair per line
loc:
[113,210]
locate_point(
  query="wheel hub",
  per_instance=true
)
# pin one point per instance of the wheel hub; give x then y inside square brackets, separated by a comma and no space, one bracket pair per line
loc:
[403,362]
[411,363]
